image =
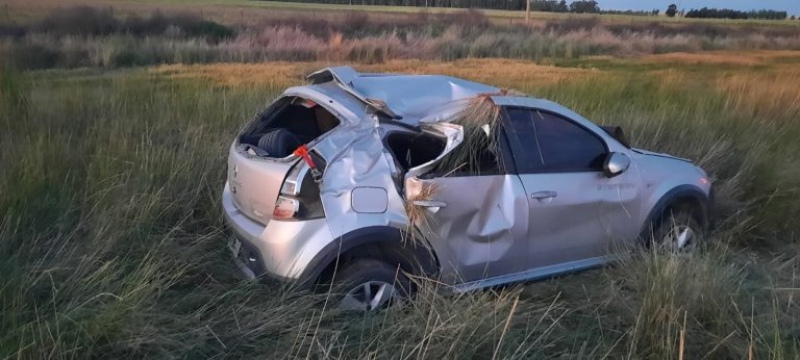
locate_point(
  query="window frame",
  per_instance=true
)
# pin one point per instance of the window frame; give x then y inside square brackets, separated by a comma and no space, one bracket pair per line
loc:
[521,170]
[506,164]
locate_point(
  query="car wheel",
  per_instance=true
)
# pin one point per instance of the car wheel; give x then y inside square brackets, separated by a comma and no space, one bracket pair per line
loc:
[369,284]
[678,232]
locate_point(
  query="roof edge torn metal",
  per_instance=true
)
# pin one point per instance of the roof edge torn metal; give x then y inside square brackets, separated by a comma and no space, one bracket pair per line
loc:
[344,77]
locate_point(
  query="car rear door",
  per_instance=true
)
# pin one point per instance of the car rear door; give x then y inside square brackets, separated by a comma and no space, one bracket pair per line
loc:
[476,222]
[575,211]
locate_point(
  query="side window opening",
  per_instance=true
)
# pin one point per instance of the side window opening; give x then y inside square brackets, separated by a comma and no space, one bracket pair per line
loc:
[291,122]
[483,158]
[413,149]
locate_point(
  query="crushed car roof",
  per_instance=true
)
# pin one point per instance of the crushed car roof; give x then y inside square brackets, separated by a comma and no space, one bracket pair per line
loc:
[408,98]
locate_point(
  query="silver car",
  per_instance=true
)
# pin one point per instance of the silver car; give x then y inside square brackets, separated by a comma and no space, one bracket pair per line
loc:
[339,182]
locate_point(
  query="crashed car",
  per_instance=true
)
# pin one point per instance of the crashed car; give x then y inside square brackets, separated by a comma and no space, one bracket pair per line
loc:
[370,180]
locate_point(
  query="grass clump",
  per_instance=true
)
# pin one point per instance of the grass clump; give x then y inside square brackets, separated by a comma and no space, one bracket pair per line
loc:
[478,152]
[685,304]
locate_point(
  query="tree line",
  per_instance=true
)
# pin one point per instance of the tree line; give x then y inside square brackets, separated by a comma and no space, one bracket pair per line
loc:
[707,13]
[562,6]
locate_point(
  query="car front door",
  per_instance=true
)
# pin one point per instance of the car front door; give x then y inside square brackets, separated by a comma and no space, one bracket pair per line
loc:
[576,211]
[475,218]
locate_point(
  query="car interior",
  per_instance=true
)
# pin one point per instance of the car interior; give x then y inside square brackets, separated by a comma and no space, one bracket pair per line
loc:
[277,133]
[414,149]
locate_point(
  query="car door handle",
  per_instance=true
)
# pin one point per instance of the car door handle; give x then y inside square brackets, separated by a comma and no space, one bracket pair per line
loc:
[430,203]
[541,195]
[432,206]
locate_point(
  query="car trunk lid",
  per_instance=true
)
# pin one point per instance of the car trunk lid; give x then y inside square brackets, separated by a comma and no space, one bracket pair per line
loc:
[256,182]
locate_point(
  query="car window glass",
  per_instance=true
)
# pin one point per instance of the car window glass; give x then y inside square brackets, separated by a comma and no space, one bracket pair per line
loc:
[545,142]
[522,138]
[564,145]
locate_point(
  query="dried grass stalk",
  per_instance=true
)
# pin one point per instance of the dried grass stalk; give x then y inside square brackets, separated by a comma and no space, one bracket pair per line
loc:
[420,218]
[480,119]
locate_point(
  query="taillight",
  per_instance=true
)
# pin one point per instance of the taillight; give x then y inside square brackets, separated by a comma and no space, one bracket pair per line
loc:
[300,195]
[286,208]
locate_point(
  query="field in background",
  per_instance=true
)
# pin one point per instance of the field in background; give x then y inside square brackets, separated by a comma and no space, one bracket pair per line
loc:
[113,244]
[111,238]
[117,36]
[233,10]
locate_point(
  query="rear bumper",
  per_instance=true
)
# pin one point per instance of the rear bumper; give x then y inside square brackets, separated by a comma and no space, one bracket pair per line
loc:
[279,249]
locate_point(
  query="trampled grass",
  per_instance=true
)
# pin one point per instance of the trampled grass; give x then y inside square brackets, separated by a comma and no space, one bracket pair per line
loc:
[112,242]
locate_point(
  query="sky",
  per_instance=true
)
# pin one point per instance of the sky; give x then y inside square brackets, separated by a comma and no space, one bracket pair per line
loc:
[791,6]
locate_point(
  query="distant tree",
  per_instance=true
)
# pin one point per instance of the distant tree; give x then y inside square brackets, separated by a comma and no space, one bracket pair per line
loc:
[794,17]
[712,13]
[562,6]
[584,6]
[672,10]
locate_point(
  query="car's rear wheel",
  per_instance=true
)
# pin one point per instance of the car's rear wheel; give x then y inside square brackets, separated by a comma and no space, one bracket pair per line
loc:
[678,232]
[370,284]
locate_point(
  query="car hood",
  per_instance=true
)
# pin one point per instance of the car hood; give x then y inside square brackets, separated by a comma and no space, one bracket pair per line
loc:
[668,156]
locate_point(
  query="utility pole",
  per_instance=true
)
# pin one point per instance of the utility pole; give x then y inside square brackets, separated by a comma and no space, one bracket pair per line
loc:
[527,11]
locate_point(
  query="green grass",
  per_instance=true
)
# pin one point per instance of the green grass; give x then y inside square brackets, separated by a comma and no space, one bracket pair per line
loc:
[113,246]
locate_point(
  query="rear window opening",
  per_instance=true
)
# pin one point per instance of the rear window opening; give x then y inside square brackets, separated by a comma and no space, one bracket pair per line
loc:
[414,149]
[285,126]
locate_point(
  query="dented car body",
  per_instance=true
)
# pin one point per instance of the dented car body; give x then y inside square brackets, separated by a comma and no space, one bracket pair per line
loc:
[347,168]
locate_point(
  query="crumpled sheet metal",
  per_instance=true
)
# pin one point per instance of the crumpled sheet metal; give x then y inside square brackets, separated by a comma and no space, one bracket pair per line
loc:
[410,96]
[472,233]
[475,232]
[359,161]
[454,135]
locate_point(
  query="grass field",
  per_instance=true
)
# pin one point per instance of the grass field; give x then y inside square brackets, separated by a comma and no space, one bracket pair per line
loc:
[111,238]
[113,244]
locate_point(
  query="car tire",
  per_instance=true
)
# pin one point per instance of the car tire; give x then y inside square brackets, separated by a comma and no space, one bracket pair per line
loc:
[370,284]
[678,232]
[279,143]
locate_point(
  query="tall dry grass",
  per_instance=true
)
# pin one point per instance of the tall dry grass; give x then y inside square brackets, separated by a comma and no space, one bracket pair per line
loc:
[113,244]
[62,39]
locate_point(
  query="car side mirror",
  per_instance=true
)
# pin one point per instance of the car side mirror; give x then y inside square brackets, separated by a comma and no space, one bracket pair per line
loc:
[615,164]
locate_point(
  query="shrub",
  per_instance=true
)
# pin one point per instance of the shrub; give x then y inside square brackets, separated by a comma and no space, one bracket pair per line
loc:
[355,21]
[12,31]
[80,20]
[573,24]
[87,21]
[189,25]
[209,30]
[26,56]
[127,58]
[470,18]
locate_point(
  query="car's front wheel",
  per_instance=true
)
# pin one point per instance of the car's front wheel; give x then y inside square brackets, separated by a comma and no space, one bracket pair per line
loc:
[678,232]
[370,284]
